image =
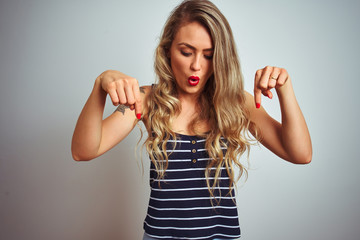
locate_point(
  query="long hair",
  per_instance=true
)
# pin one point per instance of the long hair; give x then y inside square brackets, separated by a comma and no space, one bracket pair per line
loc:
[222,103]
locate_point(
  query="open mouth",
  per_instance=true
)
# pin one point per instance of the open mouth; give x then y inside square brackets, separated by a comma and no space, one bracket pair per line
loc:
[193,80]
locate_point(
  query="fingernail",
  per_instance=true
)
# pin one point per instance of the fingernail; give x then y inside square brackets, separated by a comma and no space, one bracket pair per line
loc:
[138,116]
[257,105]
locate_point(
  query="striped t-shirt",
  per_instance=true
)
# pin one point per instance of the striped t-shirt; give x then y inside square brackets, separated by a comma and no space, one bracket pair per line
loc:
[180,207]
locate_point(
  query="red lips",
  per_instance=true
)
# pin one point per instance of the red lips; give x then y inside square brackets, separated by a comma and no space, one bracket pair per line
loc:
[193,80]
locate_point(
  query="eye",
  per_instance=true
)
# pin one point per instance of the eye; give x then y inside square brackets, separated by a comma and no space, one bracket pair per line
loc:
[186,54]
[209,57]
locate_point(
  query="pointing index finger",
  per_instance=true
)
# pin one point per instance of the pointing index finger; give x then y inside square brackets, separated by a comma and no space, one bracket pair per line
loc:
[257,98]
[138,101]
[257,90]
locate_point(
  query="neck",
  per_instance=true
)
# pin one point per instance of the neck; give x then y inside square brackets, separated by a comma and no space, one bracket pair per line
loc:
[189,99]
[190,108]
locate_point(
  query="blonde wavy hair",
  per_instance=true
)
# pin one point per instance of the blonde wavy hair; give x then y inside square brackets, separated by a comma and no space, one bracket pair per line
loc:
[222,104]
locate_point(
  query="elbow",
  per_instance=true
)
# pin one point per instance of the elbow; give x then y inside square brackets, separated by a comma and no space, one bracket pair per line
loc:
[304,161]
[76,157]
[81,153]
[308,159]
[79,157]
[303,158]
[307,156]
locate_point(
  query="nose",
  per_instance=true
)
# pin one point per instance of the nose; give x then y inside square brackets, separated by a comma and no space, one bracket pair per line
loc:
[195,64]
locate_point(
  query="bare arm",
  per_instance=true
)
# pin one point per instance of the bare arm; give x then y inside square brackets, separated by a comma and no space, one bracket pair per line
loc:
[94,136]
[289,139]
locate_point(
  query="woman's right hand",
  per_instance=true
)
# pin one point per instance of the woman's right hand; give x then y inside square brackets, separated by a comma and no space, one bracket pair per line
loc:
[122,89]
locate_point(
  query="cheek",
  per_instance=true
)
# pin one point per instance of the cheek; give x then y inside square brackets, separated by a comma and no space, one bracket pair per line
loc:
[209,69]
[177,64]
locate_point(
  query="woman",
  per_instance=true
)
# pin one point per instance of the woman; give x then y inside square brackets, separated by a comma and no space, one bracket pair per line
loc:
[198,117]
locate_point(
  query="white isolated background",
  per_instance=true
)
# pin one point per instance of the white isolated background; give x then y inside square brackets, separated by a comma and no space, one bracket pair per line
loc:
[52,51]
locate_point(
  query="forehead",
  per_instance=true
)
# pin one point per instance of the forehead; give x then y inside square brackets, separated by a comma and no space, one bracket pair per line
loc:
[194,34]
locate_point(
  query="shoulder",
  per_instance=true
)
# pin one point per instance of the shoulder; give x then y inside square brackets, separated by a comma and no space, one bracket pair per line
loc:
[261,120]
[256,115]
[249,102]
[145,92]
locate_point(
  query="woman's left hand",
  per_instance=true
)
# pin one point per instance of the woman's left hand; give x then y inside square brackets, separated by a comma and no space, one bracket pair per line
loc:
[289,139]
[266,79]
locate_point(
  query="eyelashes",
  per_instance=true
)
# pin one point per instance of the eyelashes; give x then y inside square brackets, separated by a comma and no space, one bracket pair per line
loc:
[187,54]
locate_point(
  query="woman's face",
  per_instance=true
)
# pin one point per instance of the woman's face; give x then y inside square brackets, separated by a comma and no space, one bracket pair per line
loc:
[191,58]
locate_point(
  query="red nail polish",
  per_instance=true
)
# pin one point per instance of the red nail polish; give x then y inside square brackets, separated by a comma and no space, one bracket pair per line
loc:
[138,116]
[257,105]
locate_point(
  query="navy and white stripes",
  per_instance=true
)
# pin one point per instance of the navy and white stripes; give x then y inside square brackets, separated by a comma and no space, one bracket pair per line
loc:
[180,204]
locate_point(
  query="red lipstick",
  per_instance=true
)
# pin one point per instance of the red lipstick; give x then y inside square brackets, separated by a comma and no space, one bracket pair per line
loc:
[193,80]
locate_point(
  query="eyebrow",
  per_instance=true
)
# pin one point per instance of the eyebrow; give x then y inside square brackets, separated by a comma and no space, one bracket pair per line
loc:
[194,48]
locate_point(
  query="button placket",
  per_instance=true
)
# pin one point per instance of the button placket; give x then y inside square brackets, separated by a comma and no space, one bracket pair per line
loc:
[194,150]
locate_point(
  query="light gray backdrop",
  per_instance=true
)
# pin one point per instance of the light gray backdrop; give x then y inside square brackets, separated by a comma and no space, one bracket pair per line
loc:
[52,51]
